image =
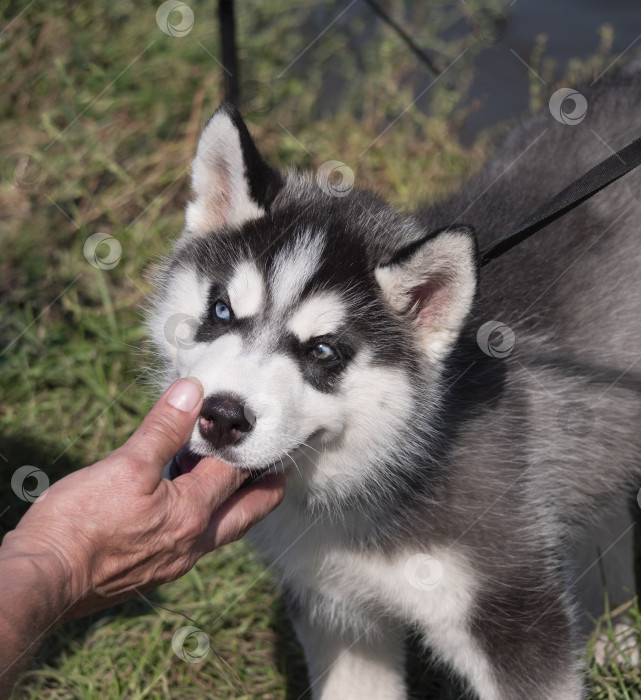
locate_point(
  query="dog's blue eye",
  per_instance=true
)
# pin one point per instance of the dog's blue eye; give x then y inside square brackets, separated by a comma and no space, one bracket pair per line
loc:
[324,352]
[222,311]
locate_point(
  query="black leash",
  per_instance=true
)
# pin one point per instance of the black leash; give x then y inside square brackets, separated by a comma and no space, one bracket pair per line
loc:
[600,176]
[404,36]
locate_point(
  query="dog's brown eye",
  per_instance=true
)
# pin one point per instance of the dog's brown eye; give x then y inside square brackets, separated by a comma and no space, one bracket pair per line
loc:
[324,353]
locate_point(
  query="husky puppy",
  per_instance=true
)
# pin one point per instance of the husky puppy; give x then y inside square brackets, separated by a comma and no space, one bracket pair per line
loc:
[448,437]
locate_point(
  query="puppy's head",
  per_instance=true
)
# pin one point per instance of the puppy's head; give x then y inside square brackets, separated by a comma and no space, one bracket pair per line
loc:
[314,322]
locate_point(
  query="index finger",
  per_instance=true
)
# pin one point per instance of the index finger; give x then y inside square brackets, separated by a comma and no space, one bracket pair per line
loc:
[211,482]
[243,510]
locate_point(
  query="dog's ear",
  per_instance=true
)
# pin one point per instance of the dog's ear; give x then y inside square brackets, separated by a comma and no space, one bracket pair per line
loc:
[230,180]
[432,282]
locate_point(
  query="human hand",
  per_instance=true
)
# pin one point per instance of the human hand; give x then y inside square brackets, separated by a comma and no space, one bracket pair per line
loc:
[116,529]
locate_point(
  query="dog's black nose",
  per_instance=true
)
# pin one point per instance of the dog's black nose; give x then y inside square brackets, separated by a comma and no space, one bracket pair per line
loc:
[224,420]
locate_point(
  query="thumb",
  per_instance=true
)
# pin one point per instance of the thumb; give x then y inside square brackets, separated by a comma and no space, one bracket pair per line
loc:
[165,429]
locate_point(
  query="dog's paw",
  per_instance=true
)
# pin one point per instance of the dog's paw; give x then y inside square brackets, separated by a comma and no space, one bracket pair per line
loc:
[620,646]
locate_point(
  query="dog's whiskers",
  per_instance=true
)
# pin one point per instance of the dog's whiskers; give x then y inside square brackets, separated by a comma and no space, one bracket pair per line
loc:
[294,463]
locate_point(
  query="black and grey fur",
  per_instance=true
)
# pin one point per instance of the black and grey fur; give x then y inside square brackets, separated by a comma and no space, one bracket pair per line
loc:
[437,479]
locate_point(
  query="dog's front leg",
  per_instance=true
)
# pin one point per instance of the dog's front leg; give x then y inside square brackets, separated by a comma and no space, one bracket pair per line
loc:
[354,666]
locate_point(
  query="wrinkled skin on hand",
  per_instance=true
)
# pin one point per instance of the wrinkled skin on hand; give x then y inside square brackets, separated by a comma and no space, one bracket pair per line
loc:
[116,529]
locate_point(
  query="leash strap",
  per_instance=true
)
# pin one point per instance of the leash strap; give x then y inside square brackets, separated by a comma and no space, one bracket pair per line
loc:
[600,176]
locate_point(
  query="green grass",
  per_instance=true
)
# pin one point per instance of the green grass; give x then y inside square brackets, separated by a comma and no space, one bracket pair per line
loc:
[621,677]
[103,110]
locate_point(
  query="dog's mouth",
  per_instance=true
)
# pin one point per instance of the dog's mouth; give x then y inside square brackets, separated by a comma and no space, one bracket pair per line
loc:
[186,460]
[182,463]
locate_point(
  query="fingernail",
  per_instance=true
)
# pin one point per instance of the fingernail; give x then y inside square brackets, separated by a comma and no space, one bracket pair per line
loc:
[185,394]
